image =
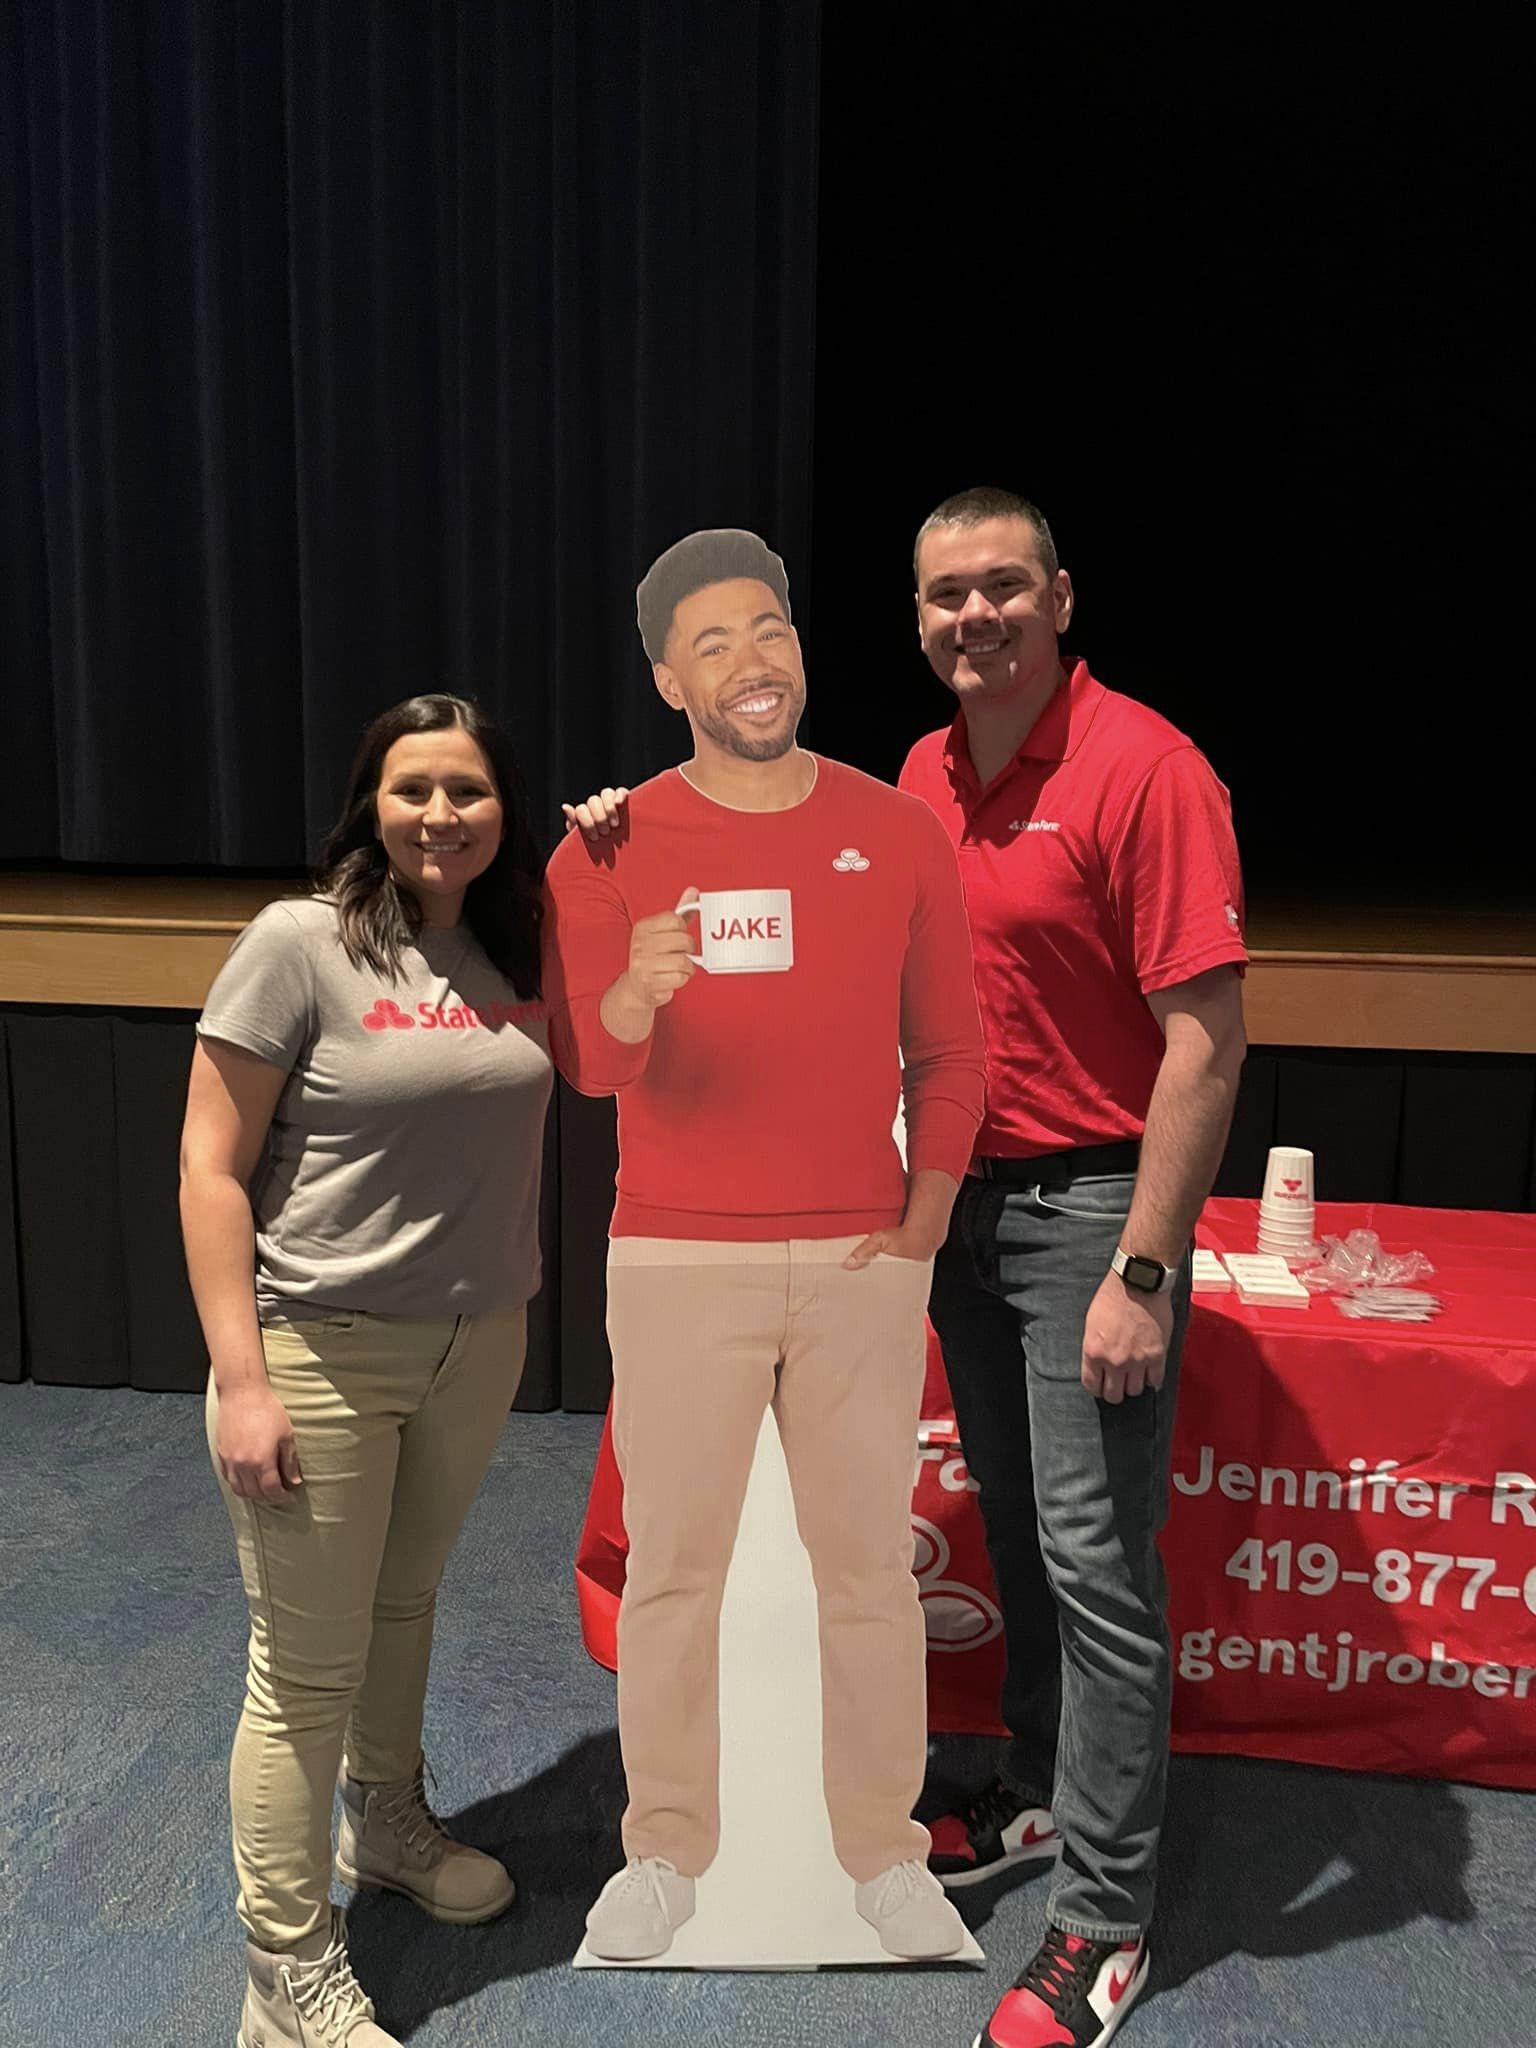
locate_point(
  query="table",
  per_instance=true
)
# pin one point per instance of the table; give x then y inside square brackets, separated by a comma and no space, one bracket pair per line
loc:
[1352,1547]
[1352,1543]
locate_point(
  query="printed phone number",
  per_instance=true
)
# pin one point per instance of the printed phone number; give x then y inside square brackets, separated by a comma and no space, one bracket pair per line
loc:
[1396,1575]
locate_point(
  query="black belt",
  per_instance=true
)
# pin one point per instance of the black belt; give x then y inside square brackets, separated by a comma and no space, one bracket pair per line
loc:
[1084,1163]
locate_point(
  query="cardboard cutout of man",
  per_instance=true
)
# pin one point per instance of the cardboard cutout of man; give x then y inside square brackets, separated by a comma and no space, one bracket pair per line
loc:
[767,1246]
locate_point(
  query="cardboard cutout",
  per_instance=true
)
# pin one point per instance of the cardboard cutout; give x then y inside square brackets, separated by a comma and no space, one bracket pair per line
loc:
[763,1268]
[775,1837]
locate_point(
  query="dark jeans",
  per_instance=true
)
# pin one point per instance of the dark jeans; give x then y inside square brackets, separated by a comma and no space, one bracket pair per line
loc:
[1073,1493]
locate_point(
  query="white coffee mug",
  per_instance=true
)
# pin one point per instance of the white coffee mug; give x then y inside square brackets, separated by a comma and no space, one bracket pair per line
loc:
[742,931]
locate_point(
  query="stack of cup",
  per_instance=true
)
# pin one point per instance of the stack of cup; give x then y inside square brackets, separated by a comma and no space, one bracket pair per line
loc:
[1288,1211]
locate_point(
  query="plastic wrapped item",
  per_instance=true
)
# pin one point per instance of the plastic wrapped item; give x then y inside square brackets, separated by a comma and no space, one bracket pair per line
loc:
[1344,1265]
[1389,1304]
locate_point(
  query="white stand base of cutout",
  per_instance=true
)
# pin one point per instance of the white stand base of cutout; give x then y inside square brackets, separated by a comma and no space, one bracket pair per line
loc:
[775,1897]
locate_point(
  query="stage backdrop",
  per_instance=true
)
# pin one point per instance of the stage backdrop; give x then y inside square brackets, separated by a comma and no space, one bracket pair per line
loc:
[353,351]
[93,1290]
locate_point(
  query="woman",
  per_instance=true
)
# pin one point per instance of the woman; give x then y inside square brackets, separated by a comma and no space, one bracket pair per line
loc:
[360,1200]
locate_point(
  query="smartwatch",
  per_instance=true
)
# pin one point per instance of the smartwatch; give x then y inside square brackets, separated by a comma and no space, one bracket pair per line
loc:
[1147,1276]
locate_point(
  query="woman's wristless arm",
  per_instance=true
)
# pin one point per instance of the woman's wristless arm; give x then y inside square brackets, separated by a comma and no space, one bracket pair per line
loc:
[220,1238]
[230,1101]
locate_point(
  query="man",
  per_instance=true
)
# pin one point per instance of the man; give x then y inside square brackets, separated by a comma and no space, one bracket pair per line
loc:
[1104,896]
[766,1246]
[1104,899]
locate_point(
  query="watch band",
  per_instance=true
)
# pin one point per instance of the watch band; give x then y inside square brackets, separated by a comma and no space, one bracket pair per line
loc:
[1147,1276]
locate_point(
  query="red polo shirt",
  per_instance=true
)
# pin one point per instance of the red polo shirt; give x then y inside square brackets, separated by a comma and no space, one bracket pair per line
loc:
[1099,867]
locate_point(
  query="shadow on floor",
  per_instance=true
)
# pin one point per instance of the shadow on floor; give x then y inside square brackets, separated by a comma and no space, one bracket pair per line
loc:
[1262,1860]
[1265,1859]
[558,1834]
[1271,1859]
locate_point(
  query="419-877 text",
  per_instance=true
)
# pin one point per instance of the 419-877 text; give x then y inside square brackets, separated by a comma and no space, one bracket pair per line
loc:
[1396,1576]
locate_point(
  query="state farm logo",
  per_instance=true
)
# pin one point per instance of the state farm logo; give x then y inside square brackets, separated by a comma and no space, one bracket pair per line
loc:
[850,861]
[955,1616]
[387,1016]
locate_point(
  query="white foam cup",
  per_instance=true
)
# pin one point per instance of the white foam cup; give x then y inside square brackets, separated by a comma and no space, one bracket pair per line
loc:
[1288,1178]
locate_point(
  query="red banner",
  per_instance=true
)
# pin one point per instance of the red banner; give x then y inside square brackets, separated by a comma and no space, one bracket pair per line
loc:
[1352,1544]
[954,1579]
[1352,1547]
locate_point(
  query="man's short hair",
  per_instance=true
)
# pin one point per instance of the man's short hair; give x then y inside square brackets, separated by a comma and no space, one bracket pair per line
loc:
[719,554]
[971,508]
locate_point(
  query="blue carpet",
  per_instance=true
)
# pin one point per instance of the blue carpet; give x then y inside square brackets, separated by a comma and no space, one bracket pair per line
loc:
[1298,1907]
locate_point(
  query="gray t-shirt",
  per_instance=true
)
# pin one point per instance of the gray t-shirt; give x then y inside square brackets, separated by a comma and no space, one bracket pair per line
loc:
[403,1164]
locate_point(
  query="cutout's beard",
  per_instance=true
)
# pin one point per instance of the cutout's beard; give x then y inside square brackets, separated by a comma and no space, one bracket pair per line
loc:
[723,729]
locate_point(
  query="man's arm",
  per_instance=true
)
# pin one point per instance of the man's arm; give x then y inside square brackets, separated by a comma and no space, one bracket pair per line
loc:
[1126,1333]
[1176,892]
[1190,1113]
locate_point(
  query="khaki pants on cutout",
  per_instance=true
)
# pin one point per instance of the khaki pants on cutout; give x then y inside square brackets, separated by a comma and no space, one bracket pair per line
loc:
[705,1336]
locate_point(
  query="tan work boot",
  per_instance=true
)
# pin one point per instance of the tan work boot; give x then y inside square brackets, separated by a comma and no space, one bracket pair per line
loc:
[308,1997]
[391,1839]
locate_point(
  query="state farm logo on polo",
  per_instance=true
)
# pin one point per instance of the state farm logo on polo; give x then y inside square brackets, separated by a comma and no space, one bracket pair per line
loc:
[388,1016]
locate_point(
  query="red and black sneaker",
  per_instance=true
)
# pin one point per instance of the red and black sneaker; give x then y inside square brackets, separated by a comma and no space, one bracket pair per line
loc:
[1073,1995]
[996,1830]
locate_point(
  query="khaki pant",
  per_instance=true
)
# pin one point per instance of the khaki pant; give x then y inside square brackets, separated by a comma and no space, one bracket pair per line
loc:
[395,1421]
[704,1337]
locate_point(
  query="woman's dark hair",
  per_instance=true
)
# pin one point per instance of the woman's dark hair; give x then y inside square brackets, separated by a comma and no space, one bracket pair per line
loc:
[503,907]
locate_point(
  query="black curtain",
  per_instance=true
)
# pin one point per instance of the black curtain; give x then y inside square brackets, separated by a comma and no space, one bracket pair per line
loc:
[93,1290]
[1430,1130]
[349,350]
[1243,315]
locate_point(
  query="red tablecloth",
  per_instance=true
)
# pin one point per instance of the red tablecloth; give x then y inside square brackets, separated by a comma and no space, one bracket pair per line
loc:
[1319,1613]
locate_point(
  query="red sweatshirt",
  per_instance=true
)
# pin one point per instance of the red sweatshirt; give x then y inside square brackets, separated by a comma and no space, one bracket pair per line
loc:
[761,1106]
